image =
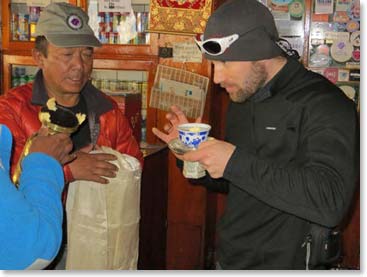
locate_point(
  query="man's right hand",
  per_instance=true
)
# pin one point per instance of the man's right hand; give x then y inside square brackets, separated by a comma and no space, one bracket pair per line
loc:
[175,118]
[93,166]
[57,146]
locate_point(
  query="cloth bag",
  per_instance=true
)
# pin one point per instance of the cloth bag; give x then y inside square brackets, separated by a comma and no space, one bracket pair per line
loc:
[103,220]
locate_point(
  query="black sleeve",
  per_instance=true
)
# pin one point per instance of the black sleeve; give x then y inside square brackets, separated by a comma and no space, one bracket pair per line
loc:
[215,185]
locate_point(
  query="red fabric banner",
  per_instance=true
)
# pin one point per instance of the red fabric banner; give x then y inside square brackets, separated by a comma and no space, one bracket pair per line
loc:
[179,16]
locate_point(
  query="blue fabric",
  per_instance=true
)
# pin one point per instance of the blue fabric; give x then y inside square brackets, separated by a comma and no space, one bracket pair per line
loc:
[5,147]
[30,217]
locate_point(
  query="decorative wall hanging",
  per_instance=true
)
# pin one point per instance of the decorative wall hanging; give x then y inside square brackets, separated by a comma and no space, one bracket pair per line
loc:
[179,16]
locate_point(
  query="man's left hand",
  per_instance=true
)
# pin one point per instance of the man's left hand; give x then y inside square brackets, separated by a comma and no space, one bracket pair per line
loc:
[213,156]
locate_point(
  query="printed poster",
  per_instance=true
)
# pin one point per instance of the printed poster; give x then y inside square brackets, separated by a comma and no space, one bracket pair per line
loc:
[186,52]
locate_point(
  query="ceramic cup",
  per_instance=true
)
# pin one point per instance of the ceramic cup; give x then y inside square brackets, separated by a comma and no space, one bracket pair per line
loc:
[192,134]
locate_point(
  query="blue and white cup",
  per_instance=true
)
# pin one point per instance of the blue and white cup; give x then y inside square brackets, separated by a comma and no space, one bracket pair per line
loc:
[192,134]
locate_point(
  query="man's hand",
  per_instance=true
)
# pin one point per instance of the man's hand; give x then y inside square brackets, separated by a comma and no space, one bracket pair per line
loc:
[57,146]
[213,156]
[93,166]
[175,118]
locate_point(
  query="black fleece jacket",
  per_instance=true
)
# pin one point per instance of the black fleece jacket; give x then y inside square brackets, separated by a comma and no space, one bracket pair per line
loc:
[294,163]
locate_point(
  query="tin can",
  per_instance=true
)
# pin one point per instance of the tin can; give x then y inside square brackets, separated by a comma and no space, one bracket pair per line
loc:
[102,37]
[139,26]
[23,80]
[108,22]
[94,82]
[144,21]
[14,26]
[32,31]
[115,21]
[23,23]
[123,85]
[97,83]
[113,85]
[105,84]
[111,38]
[34,14]
[133,86]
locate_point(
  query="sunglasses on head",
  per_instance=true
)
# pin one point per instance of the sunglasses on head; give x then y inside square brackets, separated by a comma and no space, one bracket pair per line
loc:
[215,46]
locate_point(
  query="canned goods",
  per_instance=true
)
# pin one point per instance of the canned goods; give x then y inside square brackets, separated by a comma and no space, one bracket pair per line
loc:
[23,80]
[23,26]
[115,22]
[113,85]
[98,83]
[105,84]
[34,13]
[94,82]
[111,38]
[14,26]
[139,25]
[123,85]
[32,31]
[102,37]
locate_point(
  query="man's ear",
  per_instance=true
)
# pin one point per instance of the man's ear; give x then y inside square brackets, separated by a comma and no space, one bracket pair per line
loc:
[38,57]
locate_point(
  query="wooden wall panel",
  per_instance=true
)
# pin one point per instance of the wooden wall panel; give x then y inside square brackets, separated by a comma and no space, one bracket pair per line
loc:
[186,214]
[186,238]
[153,209]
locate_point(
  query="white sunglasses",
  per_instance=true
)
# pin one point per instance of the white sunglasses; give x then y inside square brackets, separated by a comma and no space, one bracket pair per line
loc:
[216,46]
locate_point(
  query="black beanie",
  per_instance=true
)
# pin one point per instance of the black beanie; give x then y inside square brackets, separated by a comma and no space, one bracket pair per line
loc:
[255,25]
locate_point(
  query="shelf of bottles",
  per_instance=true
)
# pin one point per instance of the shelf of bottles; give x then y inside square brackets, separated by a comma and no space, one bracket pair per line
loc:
[120,27]
[129,89]
[23,20]
[110,27]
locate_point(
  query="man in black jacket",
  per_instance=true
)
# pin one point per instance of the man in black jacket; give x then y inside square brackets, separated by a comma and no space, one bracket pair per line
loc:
[288,161]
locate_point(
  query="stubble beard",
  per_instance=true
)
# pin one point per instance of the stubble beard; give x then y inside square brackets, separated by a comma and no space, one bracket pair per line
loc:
[251,85]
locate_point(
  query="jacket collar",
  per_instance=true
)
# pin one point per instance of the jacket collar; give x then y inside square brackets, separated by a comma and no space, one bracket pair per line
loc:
[93,97]
[281,80]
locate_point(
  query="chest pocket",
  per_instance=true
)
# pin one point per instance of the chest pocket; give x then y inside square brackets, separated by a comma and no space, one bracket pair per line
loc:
[276,130]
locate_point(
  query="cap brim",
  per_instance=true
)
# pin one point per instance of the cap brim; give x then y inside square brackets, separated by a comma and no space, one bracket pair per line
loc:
[73,40]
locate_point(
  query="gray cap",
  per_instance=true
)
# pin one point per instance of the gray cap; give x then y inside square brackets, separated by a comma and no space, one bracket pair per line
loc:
[66,25]
[255,25]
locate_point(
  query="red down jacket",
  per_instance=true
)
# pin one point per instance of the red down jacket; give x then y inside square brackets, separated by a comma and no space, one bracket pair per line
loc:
[19,109]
